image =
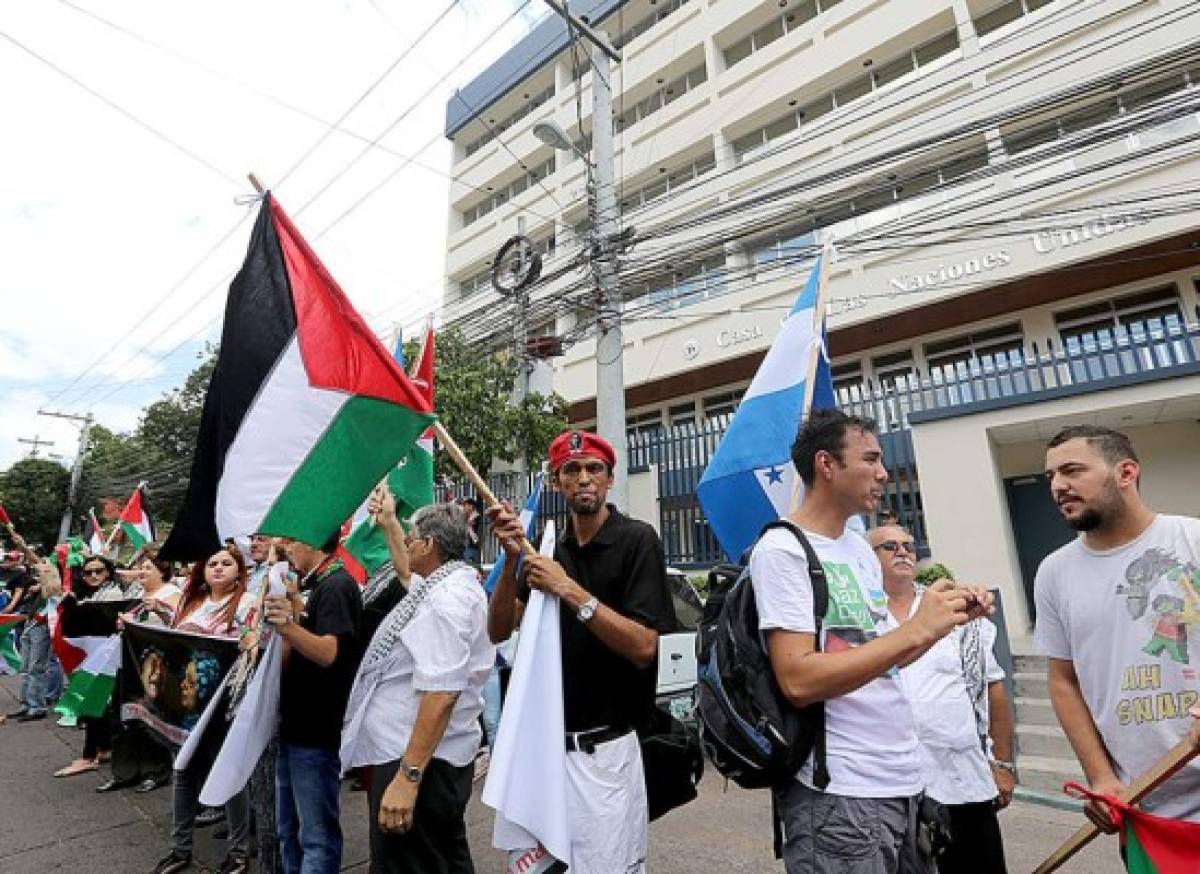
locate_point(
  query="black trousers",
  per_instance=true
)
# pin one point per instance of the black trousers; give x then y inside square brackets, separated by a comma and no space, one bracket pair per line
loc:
[437,841]
[138,755]
[976,846]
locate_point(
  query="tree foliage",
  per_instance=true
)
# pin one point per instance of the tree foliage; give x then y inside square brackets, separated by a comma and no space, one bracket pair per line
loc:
[473,400]
[34,492]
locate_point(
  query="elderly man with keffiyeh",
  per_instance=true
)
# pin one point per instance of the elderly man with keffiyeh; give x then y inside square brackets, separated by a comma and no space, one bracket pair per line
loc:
[413,716]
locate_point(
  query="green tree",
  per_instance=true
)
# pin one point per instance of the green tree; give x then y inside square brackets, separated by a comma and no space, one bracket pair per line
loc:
[473,393]
[34,492]
[170,425]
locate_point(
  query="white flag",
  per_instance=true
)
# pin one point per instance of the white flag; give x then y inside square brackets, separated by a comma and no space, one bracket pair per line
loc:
[527,777]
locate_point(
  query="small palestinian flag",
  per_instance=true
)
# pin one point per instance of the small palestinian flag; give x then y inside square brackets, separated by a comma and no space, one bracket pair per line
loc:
[136,523]
[306,410]
[93,679]
[93,536]
[1154,845]
[10,661]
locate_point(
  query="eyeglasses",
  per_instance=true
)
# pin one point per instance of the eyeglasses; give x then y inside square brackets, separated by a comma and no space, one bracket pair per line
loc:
[898,546]
[94,571]
[573,469]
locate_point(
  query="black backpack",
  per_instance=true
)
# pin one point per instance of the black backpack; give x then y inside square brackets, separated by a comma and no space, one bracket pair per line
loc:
[750,732]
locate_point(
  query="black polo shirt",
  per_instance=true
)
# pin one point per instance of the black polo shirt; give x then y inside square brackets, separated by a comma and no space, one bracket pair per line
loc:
[312,699]
[624,567]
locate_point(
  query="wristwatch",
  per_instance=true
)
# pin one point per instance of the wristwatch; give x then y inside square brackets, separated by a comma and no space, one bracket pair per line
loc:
[588,610]
[411,773]
[1004,766]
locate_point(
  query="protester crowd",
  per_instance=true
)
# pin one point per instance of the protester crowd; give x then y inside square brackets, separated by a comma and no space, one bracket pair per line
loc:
[393,683]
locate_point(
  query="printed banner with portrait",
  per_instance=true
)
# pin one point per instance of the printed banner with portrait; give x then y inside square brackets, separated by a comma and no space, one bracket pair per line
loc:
[168,677]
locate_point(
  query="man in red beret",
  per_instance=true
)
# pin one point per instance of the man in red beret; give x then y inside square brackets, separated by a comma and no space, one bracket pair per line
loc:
[609,575]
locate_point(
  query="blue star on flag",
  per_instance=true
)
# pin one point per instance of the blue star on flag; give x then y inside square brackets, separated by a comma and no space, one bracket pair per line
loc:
[774,475]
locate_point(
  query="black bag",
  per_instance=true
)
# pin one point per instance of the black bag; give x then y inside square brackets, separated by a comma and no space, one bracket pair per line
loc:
[749,730]
[672,762]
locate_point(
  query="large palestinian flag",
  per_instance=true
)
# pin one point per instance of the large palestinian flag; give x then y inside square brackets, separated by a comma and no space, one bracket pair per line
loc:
[411,481]
[306,410]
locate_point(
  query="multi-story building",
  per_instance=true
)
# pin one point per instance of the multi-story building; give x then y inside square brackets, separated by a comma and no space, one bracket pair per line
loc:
[1010,191]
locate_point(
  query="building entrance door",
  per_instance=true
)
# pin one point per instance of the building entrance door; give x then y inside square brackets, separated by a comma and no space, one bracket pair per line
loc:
[1038,526]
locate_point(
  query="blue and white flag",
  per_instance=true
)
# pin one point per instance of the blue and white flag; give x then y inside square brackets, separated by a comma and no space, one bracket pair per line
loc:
[528,519]
[749,480]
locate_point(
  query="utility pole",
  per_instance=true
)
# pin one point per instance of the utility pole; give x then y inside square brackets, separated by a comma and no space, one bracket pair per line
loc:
[36,442]
[64,528]
[610,369]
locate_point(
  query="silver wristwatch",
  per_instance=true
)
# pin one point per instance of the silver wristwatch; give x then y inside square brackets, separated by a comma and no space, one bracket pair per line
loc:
[411,773]
[1004,766]
[588,610]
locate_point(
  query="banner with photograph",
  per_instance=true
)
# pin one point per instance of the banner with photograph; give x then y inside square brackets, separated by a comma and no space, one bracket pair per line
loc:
[168,677]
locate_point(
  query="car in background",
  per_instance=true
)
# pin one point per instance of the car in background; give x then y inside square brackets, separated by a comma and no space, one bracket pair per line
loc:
[676,688]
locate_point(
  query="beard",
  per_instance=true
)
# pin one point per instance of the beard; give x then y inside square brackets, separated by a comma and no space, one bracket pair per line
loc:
[586,507]
[1106,512]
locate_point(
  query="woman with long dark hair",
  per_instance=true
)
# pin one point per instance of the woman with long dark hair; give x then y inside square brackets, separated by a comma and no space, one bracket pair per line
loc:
[98,582]
[214,603]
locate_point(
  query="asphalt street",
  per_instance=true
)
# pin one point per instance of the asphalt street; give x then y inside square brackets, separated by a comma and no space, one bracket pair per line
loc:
[49,825]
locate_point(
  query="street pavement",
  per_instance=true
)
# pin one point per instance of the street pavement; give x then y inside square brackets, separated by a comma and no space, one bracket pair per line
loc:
[49,825]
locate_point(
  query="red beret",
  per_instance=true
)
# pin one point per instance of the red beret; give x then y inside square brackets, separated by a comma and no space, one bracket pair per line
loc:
[580,444]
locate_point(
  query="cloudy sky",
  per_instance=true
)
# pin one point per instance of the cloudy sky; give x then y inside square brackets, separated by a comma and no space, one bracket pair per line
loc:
[130,128]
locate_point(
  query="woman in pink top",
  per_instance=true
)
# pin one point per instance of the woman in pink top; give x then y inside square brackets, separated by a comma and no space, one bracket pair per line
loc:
[214,600]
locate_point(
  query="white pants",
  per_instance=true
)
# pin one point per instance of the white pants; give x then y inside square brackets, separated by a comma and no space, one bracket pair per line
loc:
[606,801]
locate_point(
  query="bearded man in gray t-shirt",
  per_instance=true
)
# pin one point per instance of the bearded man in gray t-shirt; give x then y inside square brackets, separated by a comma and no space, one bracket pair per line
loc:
[1114,612]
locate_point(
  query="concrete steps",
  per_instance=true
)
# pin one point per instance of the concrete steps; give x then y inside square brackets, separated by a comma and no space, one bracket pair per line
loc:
[1045,760]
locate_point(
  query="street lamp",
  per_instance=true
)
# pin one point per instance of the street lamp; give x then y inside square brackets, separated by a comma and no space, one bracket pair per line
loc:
[552,134]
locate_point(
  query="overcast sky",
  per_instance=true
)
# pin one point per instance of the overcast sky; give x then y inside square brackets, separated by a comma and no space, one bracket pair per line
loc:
[111,197]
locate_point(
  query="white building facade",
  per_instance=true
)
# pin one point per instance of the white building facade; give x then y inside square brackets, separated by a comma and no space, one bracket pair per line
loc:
[1009,189]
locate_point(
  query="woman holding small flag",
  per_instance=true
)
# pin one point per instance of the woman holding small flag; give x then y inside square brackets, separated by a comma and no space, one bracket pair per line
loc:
[413,716]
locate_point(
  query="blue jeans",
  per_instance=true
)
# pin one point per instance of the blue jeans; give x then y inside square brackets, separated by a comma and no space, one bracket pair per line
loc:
[491,707]
[35,666]
[307,780]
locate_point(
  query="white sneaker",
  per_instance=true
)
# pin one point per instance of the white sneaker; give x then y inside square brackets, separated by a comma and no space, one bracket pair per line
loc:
[67,720]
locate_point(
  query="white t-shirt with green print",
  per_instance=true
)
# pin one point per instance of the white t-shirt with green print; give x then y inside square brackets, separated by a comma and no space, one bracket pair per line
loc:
[870,736]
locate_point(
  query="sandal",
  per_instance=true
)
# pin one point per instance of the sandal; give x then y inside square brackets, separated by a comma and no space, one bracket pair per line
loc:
[79,766]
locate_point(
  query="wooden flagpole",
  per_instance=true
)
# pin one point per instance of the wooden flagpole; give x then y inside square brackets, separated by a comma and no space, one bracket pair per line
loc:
[468,469]
[814,360]
[1162,770]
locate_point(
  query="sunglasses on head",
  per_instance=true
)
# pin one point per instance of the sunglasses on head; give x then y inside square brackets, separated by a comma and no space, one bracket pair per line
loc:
[898,546]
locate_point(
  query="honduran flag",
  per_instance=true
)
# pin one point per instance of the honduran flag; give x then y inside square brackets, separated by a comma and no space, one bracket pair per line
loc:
[135,521]
[306,410]
[749,480]
[93,535]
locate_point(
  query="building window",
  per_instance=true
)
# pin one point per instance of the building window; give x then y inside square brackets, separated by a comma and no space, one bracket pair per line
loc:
[661,97]
[505,193]
[994,354]
[846,94]
[1022,138]
[663,9]
[1132,333]
[896,376]
[644,432]
[768,33]
[667,182]
[686,285]
[719,409]
[1006,13]
[682,415]
[848,386]
[496,128]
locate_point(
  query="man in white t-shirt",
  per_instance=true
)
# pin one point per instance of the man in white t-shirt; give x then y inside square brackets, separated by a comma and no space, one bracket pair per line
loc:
[963,718]
[865,818]
[1114,611]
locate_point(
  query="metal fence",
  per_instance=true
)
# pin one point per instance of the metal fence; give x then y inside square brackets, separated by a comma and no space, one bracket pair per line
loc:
[1106,358]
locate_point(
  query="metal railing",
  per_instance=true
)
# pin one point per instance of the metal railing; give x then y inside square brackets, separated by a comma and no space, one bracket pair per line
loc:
[1085,362]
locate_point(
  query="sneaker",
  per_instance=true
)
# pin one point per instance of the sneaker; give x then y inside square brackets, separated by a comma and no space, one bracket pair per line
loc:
[67,720]
[17,714]
[234,864]
[32,716]
[210,816]
[173,862]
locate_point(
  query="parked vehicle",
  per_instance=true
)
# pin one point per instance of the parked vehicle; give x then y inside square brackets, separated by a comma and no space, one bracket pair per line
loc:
[677,652]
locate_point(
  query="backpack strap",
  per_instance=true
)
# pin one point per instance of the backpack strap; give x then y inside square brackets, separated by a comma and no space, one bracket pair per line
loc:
[820,588]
